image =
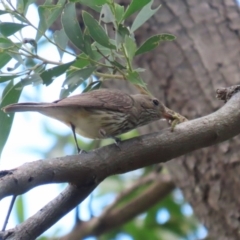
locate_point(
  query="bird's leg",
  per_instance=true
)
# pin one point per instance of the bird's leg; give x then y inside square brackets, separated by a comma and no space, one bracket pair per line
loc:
[79,150]
[117,140]
[174,118]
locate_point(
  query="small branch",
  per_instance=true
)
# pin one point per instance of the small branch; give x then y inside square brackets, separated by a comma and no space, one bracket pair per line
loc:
[51,213]
[8,213]
[160,188]
[109,76]
[141,182]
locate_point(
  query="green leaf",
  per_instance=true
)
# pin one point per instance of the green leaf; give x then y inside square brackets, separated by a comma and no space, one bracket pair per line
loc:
[9,28]
[75,79]
[61,40]
[71,26]
[5,43]
[87,44]
[94,4]
[3,12]
[106,14]
[119,12]
[135,79]
[50,74]
[6,78]
[143,16]
[130,46]
[33,79]
[82,60]
[10,95]
[4,59]
[120,34]
[22,5]
[48,15]
[134,7]
[96,31]
[153,42]
[19,208]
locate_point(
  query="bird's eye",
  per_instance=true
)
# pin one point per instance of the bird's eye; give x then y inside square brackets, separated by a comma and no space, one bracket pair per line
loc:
[155,102]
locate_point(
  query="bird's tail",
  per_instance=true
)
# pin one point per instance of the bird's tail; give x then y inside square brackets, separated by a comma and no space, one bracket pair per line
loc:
[24,107]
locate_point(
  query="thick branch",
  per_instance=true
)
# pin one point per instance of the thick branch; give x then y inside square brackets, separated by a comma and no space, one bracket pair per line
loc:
[50,214]
[135,153]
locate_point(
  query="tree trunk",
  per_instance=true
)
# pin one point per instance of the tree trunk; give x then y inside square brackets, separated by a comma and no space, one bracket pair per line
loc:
[185,74]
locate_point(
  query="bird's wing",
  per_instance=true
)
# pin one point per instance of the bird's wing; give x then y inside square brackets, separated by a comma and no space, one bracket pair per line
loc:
[101,99]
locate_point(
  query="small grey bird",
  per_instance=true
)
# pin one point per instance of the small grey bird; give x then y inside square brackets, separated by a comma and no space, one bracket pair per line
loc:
[101,113]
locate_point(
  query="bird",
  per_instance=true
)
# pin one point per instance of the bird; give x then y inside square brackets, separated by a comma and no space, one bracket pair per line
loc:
[102,113]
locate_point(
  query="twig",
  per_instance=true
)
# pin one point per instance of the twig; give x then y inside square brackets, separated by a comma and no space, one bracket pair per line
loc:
[9,212]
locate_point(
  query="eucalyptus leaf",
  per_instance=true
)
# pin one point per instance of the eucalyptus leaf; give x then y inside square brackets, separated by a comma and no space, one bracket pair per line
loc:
[22,5]
[47,16]
[94,4]
[71,26]
[131,47]
[10,95]
[87,43]
[74,80]
[153,42]
[96,31]
[9,28]
[4,59]
[5,43]
[119,12]
[61,40]
[4,78]
[50,74]
[134,78]
[120,34]
[83,61]
[3,12]
[106,14]
[134,7]
[33,79]
[145,13]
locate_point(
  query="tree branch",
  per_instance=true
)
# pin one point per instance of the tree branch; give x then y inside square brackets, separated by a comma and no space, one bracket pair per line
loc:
[50,214]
